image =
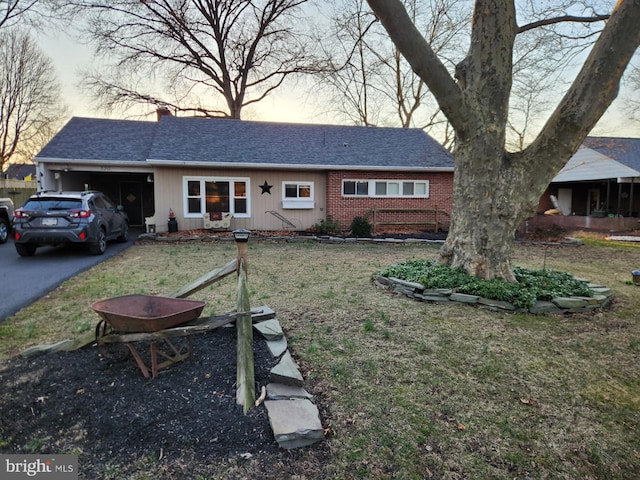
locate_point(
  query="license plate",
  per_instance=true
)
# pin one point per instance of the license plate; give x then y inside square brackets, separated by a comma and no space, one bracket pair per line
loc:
[49,222]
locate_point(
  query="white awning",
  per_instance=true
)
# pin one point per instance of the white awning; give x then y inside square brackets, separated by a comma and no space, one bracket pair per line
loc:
[587,164]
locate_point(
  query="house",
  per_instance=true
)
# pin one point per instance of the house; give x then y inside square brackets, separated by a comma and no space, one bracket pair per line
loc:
[270,176]
[598,187]
[20,171]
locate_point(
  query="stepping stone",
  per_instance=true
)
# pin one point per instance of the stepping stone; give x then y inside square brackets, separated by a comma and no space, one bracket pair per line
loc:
[262,313]
[602,291]
[277,347]
[286,372]
[295,423]
[278,391]
[464,298]
[496,304]
[269,329]
[542,307]
[569,302]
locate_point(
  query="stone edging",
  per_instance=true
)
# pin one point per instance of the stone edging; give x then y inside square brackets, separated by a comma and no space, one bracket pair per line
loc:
[293,414]
[416,291]
[332,239]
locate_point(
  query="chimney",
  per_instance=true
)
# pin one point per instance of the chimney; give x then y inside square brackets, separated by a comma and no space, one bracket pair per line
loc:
[163,112]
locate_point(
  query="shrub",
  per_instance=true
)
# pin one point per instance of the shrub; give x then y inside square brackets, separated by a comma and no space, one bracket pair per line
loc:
[327,226]
[360,227]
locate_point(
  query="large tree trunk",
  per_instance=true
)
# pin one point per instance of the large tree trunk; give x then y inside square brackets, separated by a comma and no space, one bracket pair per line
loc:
[492,196]
[495,191]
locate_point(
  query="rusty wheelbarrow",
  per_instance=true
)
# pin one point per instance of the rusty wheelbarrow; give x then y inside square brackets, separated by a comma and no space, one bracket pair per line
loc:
[132,318]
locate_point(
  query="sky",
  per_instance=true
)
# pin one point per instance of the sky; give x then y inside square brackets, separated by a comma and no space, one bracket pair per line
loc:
[70,57]
[286,105]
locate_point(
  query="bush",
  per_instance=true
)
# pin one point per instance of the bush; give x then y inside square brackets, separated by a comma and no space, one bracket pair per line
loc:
[327,226]
[532,285]
[360,227]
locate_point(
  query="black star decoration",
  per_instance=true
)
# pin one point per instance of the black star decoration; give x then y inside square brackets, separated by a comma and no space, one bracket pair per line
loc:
[266,188]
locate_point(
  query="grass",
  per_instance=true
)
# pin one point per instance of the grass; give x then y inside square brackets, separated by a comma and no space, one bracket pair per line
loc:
[411,390]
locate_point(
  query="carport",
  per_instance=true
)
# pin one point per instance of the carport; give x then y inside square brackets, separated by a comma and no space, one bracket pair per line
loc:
[106,156]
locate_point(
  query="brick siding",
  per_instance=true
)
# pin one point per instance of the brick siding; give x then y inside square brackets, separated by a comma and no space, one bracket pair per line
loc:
[344,208]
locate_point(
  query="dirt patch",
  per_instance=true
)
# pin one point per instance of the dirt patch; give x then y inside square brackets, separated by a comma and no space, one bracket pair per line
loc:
[102,408]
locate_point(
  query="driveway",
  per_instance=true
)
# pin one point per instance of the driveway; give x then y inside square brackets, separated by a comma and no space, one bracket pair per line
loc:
[26,279]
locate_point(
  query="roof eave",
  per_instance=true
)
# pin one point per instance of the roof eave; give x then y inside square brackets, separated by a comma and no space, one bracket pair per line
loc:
[84,161]
[286,166]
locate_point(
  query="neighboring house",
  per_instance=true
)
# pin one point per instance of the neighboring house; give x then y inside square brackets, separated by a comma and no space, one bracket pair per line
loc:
[270,176]
[595,184]
[599,182]
[20,171]
[18,182]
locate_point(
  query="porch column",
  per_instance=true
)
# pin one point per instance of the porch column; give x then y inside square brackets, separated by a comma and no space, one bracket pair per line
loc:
[631,198]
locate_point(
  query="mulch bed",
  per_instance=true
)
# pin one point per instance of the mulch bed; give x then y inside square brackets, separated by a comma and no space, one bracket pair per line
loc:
[102,408]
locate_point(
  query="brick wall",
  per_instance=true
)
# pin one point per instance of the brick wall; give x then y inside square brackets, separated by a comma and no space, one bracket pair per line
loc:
[344,208]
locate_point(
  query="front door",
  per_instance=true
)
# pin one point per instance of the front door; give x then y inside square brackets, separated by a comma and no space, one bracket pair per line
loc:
[131,198]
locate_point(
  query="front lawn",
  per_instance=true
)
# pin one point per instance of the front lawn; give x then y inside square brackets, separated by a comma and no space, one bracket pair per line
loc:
[406,390]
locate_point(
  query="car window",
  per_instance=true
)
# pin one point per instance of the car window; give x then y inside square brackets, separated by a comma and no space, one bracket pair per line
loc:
[97,203]
[43,204]
[109,204]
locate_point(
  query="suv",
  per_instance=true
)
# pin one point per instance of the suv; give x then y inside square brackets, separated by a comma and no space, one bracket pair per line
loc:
[54,218]
[6,212]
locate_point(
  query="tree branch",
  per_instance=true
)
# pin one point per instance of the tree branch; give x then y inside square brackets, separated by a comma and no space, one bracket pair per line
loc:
[591,93]
[422,59]
[563,19]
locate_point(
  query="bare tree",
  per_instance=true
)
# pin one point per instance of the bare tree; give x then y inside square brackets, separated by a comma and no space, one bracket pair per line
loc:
[195,52]
[28,12]
[11,10]
[632,99]
[369,81]
[496,190]
[30,107]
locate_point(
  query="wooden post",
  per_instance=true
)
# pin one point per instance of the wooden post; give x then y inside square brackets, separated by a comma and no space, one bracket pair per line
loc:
[245,378]
[242,238]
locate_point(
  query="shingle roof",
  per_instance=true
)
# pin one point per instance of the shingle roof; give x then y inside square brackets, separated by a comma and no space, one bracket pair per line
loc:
[624,150]
[101,139]
[588,164]
[19,170]
[297,145]
[245,143]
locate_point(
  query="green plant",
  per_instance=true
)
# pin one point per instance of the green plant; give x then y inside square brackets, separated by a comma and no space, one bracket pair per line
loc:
[360,227]
[532,285]
[327,225]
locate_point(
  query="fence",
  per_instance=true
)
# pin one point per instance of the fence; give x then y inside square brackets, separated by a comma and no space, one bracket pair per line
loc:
[434,218]
[17,190]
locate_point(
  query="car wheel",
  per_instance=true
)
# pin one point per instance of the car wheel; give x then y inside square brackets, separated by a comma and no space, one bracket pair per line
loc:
[100,245]
[4,230]
[125,233]
[26,249]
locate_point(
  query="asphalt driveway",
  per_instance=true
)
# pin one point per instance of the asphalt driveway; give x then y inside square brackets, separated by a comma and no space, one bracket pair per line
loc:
[26,279]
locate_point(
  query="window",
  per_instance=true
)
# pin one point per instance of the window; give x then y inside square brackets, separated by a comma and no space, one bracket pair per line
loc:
[359,188]
[297,195]
[211,194]
[386,188]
